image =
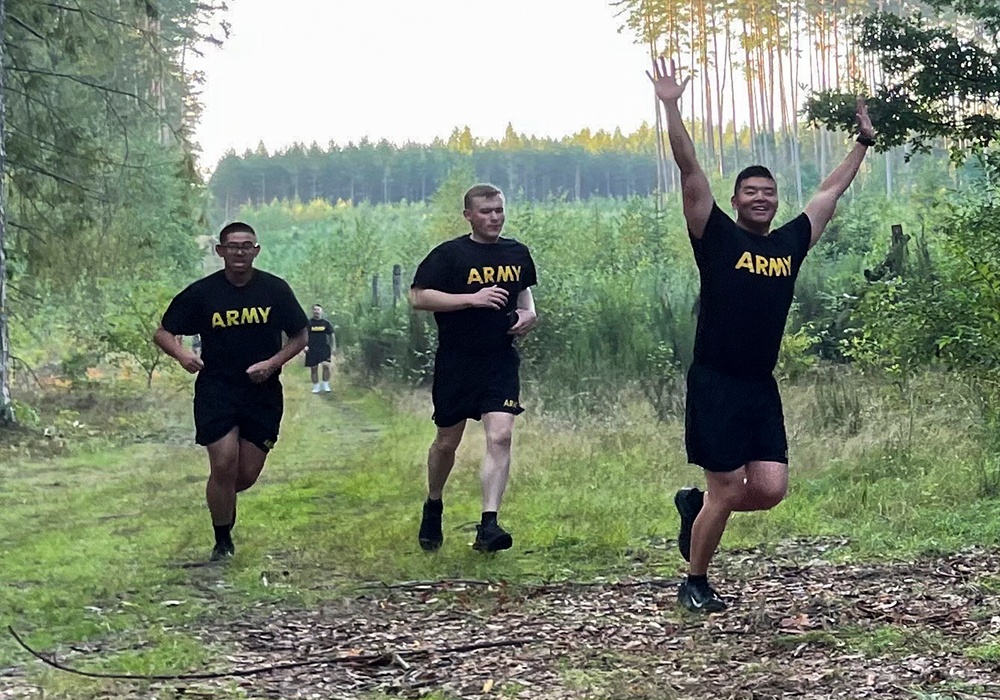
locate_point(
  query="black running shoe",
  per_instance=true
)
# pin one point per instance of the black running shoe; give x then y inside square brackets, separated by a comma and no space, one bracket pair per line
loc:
[699,598]
[222,551]
[430,535]
[492,538]
[689,502]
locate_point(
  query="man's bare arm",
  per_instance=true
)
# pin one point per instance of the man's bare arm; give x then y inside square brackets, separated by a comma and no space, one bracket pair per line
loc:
[526,316]
[171,344]
[435,300]
[823,204]
[696,192]
[260,371]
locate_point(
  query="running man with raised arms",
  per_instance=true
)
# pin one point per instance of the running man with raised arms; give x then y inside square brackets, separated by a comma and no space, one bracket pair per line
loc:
[734,426]
[240,314]
[479,287]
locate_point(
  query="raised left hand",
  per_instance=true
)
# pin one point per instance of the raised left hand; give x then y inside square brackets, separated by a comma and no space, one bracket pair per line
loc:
[865,127]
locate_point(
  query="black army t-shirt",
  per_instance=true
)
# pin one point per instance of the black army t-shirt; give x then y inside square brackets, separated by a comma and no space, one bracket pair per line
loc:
[239,326]
[320,331]
[747,282]
[463,266]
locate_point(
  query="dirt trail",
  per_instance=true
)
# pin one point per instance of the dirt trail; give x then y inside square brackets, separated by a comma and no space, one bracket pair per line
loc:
[810,630]
[816,630]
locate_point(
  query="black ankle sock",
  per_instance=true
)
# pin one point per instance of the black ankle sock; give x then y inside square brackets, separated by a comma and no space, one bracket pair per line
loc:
[435,504]
[222,534]
[489,516]
[698,580]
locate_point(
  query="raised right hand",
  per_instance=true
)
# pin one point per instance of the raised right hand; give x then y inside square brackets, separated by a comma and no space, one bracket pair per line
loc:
[191,362]
[490,298]
[665,82]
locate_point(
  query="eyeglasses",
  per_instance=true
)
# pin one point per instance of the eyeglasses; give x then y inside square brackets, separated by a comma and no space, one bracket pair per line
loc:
[240,247]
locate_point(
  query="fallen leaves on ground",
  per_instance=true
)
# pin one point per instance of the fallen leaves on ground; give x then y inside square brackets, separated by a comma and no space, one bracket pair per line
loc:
[797,627]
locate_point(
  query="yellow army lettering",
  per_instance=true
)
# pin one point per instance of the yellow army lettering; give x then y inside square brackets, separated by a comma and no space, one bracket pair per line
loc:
[492,275]
[241,317]
[509,403]
[769,267]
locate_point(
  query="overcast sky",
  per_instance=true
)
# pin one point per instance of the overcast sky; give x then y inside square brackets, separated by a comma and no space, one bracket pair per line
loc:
[410,70]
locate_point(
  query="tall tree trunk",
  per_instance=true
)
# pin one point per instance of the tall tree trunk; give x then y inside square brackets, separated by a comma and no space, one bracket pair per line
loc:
[737,160]
[794,27]
[888,173]
[719,93]
[765,126]
[661,153]
[707,97]
[748,76]
[6,406]
[813,78]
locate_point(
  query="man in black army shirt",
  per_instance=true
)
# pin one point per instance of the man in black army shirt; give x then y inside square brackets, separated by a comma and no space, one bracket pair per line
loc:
[478,286]
[319,353]
[734,426]
[240,314]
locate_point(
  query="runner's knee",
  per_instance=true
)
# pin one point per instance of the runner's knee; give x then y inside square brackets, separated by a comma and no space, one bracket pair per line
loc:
[769,495]
[499,437]
[445,444]
[245,481]
[726,490]
[225,471]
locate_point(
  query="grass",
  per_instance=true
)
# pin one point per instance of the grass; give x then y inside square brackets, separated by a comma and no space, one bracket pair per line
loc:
[98,534]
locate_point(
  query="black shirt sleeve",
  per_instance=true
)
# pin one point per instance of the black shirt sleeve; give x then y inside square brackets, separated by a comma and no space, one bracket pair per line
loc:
[718,221]
[801,230]
[433,272]
[181,316]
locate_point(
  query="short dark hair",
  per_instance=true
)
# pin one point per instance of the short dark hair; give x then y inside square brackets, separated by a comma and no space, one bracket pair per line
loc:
[751,171]
[317,306]
[235,227]
[481,190]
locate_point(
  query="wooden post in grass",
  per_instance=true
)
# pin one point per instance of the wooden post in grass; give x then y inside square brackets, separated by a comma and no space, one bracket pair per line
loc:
[895,260]
[397,284]
[375,300]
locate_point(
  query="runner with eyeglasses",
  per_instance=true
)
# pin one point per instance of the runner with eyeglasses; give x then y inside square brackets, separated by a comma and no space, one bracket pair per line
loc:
[240,313]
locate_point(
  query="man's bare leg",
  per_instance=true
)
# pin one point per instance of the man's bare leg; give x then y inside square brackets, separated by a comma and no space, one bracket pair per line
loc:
[494,474]
[757,486]
[249,466]
[220,491]
[440,460]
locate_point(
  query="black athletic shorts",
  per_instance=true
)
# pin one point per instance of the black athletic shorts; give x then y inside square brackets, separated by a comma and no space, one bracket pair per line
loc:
[315,357]
[730,420]
[468,384]
[221,405]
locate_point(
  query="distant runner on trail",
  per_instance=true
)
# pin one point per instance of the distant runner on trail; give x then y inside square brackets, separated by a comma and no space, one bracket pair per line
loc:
[240,314]
[734,426]
[319,352]
[479,287]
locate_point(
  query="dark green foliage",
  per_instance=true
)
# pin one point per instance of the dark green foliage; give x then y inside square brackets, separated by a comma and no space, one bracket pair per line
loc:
[99,110]
[941,80]
[104,202]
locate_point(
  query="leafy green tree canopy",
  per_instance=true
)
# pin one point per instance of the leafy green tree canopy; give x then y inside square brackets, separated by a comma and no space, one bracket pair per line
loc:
[940,79]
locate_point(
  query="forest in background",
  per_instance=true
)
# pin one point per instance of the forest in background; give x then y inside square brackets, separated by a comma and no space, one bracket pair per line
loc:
[107,215]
